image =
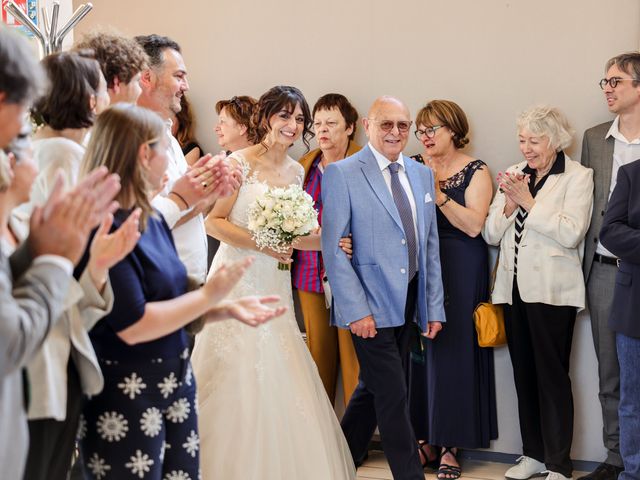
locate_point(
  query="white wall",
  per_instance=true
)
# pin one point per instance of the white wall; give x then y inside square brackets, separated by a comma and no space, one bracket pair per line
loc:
[493,57]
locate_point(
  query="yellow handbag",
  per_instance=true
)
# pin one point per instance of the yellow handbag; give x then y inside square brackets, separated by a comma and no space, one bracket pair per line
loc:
[489,320]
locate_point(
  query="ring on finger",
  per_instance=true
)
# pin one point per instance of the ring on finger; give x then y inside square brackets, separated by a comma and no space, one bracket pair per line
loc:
[204,184]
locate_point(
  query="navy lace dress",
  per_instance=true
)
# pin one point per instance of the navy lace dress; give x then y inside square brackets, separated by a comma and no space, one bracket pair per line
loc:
[452,388]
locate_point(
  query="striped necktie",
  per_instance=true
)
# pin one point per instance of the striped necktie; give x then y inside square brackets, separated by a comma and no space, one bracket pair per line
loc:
[404,209]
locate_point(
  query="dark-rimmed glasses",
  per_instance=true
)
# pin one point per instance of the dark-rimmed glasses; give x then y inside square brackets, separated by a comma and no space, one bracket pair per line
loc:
[387,125]
[428,132]
[614,81]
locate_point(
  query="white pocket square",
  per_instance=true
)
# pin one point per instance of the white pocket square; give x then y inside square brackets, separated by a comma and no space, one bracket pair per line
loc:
[427,198]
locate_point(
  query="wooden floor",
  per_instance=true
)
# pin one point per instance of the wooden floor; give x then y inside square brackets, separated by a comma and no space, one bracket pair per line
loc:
[376,467]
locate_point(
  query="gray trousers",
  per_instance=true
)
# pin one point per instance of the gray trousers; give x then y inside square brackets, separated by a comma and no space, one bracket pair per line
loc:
[600,296]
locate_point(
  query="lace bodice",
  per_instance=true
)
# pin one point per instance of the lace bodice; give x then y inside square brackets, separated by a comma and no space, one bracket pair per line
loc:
[259,384]
[253,185]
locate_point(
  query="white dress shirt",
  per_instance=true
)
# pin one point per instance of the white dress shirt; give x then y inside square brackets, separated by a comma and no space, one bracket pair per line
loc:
[624,152]
[383,163]
[190,237]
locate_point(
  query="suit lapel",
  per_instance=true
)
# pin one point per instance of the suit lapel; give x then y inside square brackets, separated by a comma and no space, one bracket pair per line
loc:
[372,173]
[606,162]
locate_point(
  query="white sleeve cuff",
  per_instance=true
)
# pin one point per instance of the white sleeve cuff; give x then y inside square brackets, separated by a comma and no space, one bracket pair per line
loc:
[62,262]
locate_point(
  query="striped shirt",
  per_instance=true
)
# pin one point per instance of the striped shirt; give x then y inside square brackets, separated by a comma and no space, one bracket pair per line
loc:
[534,188]
[307,266]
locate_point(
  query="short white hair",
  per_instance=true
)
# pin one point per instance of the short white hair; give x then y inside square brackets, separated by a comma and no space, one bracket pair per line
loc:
[545,121]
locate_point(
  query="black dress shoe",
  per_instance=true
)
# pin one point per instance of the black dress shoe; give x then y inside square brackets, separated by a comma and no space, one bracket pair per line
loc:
[605,471]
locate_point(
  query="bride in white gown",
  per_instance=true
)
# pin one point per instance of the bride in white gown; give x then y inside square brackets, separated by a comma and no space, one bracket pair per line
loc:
[263,411]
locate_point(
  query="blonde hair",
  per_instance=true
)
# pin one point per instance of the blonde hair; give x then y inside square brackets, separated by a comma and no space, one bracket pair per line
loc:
[117,136]
[5,172]
[545,121]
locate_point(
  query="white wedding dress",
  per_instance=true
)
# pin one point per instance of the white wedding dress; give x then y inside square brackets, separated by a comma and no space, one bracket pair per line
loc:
[263,411]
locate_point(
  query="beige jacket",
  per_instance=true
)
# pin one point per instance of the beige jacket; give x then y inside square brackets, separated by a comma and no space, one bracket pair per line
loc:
[552,244]
[69,337]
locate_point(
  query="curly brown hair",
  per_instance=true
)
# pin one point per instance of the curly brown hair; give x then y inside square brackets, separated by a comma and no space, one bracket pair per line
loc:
[118,56]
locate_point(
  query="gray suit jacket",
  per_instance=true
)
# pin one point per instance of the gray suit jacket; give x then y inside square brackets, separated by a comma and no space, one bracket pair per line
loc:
[27,308]
[597,153]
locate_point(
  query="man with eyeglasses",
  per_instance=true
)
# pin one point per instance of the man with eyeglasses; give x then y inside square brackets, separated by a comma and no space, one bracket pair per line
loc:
[606,148]
[386,201]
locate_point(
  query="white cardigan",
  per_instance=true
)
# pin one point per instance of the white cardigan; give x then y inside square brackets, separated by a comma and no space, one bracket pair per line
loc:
[552,244]
[84,305]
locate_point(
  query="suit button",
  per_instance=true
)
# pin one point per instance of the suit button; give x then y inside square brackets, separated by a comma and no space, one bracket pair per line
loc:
[595,240]
[602,213]
[403,271]
[403,241]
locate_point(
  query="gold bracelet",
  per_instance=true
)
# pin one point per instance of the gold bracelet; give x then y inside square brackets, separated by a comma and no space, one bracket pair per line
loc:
[440,205]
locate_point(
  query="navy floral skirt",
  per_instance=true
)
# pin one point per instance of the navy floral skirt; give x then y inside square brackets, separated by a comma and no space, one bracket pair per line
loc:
[144,423]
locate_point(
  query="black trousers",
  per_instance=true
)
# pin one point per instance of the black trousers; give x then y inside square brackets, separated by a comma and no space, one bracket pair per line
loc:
[381,397]
[539,339]
[51,442]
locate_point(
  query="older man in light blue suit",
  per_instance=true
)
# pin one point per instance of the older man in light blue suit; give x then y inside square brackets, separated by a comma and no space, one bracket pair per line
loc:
[386,202]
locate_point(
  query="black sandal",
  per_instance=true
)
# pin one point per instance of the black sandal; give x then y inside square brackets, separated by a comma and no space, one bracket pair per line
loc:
[432,464]
[446,471]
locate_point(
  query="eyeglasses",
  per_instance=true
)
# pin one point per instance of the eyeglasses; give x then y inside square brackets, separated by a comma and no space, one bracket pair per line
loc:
[614,81]
[428,132]
[387,125]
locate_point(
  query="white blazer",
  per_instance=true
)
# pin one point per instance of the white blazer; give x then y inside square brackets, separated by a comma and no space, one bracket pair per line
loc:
[552,243]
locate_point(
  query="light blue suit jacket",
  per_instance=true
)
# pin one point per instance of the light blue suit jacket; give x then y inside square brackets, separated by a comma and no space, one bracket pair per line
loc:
[356,200]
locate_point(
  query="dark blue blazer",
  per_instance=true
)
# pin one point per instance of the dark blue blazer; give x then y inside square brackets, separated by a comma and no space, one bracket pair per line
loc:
[620,234]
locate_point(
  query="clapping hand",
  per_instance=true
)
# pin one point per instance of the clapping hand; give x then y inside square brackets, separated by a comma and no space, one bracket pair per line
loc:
[226,177]
[63,224]
[515,187]
[197,183]
[223,179]
[107,249]
[222,281]
[253,310]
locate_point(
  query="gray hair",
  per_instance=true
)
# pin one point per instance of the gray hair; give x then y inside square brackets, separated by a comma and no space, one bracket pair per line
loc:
[627,62]
[544,121]
[21,77]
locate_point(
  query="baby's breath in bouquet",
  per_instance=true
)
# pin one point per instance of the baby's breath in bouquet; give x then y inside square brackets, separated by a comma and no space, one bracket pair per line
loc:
[279,216]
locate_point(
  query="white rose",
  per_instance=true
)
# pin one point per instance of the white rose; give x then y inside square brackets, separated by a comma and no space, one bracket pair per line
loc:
[288,225]
[268,203]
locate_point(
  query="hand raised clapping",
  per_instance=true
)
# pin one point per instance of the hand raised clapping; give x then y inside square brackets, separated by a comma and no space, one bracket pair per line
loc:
[515,187]
[107,249]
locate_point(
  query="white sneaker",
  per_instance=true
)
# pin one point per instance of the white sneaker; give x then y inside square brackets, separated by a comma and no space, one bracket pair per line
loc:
[527,467]
[555,476]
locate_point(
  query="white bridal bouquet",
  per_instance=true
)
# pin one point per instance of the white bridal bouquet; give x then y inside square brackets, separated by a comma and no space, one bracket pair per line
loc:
[279,216]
